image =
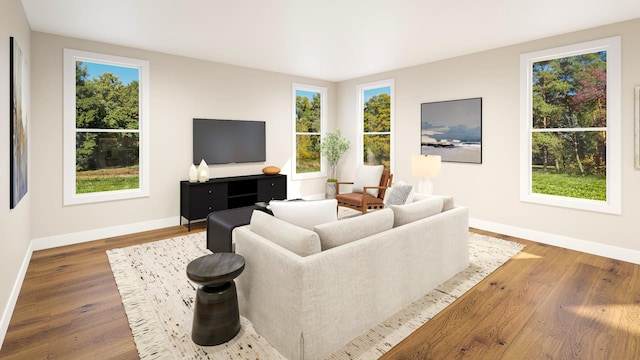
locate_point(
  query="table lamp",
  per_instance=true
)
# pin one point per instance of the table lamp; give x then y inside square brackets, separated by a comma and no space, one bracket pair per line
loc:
[426,167]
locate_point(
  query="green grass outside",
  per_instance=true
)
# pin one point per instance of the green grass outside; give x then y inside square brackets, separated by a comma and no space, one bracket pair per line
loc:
[111,179]
[307,165]
[99,184]
[575,186]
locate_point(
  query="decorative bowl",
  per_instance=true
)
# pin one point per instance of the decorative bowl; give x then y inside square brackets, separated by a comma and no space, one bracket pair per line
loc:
[271,170]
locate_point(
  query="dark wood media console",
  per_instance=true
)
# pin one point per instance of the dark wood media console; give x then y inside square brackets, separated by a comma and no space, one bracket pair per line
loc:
[197,200]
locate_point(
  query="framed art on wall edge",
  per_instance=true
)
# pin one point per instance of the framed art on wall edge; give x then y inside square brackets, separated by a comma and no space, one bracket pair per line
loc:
[18,128]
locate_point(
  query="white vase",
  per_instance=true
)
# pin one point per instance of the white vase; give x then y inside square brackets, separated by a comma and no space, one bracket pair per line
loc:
[203,171]
[193,174]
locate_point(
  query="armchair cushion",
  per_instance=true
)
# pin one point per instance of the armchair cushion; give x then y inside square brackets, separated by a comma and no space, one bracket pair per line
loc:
[293,238]
[355,199]
[367,175]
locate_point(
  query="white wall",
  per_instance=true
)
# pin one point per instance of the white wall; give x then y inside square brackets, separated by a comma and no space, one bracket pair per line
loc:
[15,232]
[491,190]
[181,89]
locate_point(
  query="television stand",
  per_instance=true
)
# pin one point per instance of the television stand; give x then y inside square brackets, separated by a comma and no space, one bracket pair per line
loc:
[197,200]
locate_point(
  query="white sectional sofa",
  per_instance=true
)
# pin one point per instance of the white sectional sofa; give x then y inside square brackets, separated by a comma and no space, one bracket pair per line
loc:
[311,292]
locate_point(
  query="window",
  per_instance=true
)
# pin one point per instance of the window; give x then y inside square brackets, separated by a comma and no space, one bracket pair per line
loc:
[106,121]
[570,126]
[376,123]
[309,119]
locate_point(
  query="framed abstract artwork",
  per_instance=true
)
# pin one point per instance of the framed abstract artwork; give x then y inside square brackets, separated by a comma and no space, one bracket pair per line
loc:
[452,129]
[18,128]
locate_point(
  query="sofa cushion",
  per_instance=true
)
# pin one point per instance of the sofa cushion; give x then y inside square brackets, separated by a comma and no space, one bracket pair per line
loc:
[293,238]
[306,214]
[400,193]
[367,175]
[447,200]
[404,214]
[347,230]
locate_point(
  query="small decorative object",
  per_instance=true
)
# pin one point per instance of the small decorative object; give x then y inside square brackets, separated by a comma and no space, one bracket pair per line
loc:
[271,170]
[193,174]
[426,167]
[203,171]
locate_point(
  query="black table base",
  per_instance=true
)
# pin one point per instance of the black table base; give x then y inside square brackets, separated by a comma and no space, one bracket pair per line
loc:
[216,318]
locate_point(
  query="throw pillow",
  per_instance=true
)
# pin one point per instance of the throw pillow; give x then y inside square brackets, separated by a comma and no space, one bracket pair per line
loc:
[367,175]
[404,214]
[399,194]
[347,230]
[293,238]
[305,213]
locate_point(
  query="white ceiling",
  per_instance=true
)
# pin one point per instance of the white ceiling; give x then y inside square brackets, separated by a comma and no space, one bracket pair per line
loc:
[325,39]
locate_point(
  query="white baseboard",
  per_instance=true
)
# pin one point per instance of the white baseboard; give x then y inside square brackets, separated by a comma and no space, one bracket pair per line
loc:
[90,235]
[13,297]
[589,247]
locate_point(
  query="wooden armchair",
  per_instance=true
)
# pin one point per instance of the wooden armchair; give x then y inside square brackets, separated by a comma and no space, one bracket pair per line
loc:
[365,201]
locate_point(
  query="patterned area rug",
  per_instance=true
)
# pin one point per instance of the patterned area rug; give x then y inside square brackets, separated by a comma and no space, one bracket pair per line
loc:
[158,299]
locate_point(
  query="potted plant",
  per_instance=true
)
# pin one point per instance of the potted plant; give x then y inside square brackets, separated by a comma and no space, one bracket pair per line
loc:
[332,147]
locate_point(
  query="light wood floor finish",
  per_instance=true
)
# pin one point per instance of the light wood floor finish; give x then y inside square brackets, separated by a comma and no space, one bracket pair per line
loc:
[545,303]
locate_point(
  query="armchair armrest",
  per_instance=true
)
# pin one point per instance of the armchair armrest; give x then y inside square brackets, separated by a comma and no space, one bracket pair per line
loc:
[379,187]
[375,187]
[344,183]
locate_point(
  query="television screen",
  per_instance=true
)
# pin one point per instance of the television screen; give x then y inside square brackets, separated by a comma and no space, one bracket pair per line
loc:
[228,141]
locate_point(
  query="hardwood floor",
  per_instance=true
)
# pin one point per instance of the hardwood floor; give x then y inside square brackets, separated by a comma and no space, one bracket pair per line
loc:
[545,303]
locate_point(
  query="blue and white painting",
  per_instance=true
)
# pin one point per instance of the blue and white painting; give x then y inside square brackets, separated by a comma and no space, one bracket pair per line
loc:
[453,130]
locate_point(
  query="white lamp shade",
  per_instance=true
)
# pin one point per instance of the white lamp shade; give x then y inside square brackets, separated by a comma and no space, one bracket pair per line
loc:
[426,165]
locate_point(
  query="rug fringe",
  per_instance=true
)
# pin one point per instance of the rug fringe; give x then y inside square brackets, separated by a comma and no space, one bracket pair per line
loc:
[151,344]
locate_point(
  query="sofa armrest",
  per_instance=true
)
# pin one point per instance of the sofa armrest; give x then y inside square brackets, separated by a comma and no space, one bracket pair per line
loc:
[270,290]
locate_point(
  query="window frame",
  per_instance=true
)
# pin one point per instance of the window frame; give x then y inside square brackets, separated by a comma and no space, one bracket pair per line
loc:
[612,205]
[360,138]
[323,125]
[70,196]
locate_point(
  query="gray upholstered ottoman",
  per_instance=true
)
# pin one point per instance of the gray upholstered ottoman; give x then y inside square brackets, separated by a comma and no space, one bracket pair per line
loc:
[220,225]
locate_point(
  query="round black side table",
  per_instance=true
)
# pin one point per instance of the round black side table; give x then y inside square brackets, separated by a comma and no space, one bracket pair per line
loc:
[216,318]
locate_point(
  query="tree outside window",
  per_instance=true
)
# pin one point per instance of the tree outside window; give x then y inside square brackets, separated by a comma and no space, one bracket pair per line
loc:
[107,131]
[309,118]
[571,127]
[376,123]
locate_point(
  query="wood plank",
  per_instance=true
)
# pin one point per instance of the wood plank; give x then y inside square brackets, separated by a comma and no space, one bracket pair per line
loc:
[573,322]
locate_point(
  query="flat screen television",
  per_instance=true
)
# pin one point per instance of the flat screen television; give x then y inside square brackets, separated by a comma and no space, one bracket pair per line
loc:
[228,141]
